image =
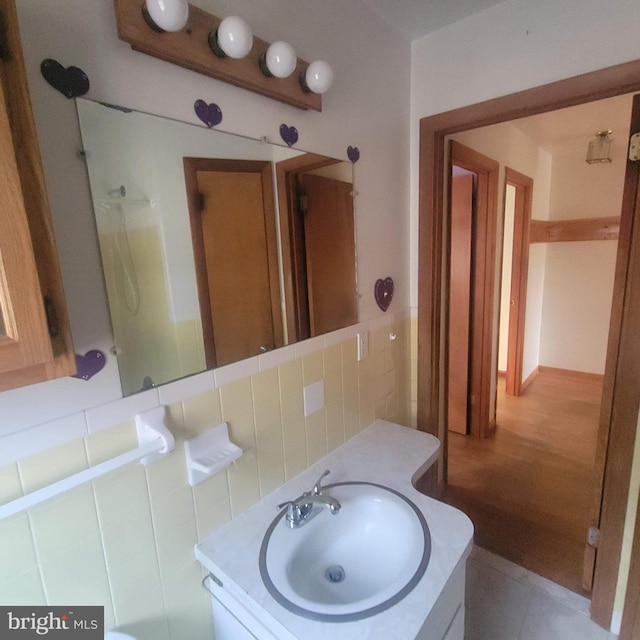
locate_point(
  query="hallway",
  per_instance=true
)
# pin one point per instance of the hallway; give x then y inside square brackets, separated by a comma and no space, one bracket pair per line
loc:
[528,489]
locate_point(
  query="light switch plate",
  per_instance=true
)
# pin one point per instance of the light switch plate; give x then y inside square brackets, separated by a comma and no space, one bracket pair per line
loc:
[313,397]
[363,345]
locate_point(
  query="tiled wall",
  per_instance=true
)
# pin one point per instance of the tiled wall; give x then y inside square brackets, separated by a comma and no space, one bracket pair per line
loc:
[126,540]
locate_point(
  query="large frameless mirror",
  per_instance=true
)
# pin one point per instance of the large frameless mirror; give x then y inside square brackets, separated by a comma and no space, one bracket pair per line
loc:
[214,247]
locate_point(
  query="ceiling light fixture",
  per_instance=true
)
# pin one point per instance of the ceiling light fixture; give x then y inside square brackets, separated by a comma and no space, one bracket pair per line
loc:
[599,150]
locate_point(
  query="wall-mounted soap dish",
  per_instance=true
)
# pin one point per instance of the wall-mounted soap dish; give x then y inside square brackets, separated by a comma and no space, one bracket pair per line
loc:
[210,452]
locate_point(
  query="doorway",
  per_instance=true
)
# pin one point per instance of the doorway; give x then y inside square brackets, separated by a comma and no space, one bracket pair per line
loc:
[619,415]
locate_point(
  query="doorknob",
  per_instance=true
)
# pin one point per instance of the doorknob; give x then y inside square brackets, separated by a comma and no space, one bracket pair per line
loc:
[512,302]
[264,348]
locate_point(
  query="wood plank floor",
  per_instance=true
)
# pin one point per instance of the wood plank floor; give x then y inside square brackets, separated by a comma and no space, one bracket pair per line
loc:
[528,489]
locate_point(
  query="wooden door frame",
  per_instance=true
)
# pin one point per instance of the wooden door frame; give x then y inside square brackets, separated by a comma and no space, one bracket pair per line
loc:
[519,274]
[191,167]
[604,83]
[481,423]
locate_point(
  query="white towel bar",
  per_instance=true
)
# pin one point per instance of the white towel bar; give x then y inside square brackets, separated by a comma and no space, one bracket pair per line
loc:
[154,438]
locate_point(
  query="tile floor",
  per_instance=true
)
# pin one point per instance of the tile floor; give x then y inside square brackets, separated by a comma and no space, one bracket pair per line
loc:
[506,602]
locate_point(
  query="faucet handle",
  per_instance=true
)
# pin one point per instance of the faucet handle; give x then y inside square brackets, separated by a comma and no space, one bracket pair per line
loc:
[294,514]
[317,487]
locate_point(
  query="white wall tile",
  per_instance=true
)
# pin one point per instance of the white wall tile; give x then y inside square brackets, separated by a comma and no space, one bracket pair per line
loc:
[42,437]
[122,410]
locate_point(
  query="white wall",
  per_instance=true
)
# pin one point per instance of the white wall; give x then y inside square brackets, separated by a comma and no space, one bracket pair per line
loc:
[578,285]
[367,107]
[513,46]
[508,146]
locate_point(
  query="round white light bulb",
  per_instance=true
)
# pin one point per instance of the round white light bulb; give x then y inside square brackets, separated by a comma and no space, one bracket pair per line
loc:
[168,15]
[235,37]
[281,59]
[319,76]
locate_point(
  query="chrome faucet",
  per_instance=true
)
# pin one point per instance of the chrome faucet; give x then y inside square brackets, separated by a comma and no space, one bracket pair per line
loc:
[302,509]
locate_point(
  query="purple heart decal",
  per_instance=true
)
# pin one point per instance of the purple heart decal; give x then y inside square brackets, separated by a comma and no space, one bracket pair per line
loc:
[383,292]
[353,153]
[70,81]
[89,364]
[289,134]
[210,114]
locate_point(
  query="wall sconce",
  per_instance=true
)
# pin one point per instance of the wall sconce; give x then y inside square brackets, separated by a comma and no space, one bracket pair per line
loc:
[600,148]
[222,49]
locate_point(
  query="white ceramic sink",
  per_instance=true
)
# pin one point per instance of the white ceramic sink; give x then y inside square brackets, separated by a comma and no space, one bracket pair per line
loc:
[350,565]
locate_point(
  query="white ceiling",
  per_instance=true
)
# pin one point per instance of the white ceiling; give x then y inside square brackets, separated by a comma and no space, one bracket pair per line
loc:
[415,18]
[567,129]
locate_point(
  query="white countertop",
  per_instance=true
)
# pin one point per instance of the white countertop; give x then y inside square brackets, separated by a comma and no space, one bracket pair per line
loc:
[385,453]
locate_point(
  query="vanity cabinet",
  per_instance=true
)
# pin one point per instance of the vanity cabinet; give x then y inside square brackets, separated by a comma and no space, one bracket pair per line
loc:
[35,341]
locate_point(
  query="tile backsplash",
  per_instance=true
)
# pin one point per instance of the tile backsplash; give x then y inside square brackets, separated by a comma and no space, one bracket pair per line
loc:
[126,540]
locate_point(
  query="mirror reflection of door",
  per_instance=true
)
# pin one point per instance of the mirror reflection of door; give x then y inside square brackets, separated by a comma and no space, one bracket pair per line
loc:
[233,232]
[329,244]
[317,231]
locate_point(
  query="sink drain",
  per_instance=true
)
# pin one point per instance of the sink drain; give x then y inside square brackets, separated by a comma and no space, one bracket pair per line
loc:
[334,573]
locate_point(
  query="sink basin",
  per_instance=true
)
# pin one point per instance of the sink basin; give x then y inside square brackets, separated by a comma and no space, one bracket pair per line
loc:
[351,565]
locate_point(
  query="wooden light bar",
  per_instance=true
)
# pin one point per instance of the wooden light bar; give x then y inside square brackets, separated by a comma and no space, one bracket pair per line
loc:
[189,48]
[575,230]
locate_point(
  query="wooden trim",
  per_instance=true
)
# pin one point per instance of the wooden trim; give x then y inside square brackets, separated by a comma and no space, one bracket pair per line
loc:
[189,48]
[570,373]
[530,378]
[483,283]
[519,276]
[596,85]
[575,230]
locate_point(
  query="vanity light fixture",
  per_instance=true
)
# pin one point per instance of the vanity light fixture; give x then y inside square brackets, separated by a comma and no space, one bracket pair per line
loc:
[232,38]
[166,15]
[186,35]
[279,61]
[599,150]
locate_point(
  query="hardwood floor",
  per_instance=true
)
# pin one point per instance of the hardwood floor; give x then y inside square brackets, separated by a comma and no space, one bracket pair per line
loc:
[528,489]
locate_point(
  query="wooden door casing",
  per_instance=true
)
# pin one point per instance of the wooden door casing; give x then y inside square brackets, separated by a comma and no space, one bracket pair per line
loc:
[519,275]
[481,420]
[604,83]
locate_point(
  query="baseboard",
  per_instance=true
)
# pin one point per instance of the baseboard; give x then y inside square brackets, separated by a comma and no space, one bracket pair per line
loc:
[569,373]
[529,380]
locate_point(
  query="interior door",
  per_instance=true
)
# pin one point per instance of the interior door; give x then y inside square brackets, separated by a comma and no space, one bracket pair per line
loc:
[329,248]
[233,232]
[481,414]
[459,301]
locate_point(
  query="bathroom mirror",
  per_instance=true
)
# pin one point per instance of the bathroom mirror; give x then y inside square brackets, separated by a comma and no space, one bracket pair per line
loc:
[214,247]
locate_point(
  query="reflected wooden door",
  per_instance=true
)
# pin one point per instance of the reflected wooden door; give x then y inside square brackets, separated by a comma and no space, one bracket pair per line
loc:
[330,248]
[233,232]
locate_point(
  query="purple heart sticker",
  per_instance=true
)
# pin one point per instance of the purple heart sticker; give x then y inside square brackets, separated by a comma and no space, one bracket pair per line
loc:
[89,364]
[210,114]
[70,81]
[353,153]
[289,134]
[383,292]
